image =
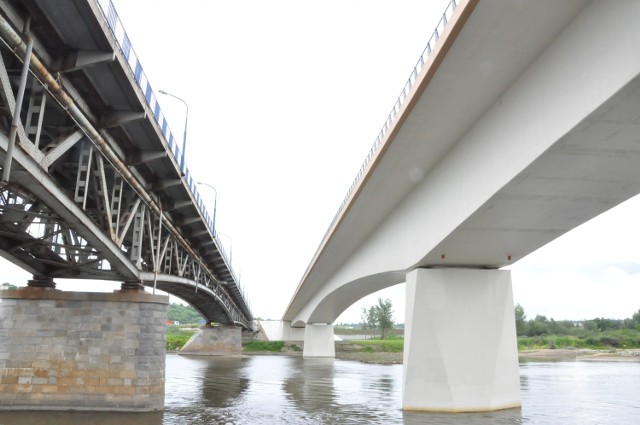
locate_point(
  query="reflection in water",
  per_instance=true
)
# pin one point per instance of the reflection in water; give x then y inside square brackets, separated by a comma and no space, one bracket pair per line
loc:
[583,392]
[292,390]
[384,383]
[501,417]
[224,381]
[524,382]
[78,418]
[309,385]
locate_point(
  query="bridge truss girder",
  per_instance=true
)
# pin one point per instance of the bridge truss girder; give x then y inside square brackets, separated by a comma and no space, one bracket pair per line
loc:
[70,210]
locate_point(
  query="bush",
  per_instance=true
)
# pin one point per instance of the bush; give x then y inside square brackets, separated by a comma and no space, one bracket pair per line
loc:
[295,347]
[566,341]
[387,345]
[272,346]
[177,337]
[616,338]
[176,342]
[610,341]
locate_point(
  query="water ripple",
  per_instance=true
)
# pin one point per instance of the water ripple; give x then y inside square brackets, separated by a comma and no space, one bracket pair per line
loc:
[293,390]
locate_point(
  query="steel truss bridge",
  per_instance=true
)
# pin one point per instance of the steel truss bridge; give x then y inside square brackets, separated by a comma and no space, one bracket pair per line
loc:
[92,184]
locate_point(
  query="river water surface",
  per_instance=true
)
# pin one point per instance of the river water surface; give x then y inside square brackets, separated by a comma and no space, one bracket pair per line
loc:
[292,390]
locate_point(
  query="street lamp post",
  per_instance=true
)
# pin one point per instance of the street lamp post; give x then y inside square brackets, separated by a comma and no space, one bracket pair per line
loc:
[186,121]
[215,203]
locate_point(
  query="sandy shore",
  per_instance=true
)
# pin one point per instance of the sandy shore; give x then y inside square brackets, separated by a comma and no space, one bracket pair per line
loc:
[528,355]
[582,355]
[346,351]
[373,358]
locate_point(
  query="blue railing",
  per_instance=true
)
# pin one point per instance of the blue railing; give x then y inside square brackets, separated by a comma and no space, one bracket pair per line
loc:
[397,106]
[117,29]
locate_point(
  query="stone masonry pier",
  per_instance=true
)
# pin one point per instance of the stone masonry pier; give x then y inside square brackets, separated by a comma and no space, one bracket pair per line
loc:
[215,340]
[82,351]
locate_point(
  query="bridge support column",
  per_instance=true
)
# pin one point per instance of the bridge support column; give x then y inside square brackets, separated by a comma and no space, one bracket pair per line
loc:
[215,341]
[81,351]
[460,352]
[43,282]
[318,340]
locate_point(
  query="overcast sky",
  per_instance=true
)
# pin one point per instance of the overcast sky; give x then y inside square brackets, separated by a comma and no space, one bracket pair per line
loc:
[285,100]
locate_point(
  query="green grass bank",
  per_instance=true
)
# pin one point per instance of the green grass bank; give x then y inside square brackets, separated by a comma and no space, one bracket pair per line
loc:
[177,336]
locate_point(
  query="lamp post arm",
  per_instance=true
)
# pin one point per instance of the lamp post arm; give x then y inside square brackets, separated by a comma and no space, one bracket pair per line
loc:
[186,122]
[184,137]
[215,203]
[230,246]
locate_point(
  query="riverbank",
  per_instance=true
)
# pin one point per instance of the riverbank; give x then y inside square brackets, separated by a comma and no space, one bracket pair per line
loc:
[609,355]
[383,355]
[389,352]
[389,358]
[372,354]
[527,355]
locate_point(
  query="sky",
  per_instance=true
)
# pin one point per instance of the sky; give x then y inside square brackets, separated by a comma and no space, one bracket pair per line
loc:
[285,100]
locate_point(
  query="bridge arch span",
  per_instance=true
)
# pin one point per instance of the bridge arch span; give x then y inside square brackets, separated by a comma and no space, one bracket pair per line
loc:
[208,300]
[328,305]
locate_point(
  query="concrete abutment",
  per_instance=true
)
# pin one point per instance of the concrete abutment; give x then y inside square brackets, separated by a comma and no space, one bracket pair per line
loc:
[82,351]
[215,340]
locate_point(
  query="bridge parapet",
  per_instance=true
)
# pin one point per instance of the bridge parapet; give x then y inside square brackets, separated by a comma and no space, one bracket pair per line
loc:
[120,35]
[397,108]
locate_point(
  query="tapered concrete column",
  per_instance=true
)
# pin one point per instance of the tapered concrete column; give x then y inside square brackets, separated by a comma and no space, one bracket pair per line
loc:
[460,352]
[319,341]
[215,341]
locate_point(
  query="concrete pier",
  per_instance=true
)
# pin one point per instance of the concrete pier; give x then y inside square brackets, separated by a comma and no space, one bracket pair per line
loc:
[319,340]
[82,351]
[460,352]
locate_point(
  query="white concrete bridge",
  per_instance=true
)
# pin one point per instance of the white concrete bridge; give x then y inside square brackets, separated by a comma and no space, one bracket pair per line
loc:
[521,122]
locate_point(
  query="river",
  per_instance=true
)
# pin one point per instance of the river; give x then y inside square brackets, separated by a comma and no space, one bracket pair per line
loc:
[292,390]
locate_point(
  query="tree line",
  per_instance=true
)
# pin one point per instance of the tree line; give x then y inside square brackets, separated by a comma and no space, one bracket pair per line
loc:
[541,325]
[378,317]
[182,313]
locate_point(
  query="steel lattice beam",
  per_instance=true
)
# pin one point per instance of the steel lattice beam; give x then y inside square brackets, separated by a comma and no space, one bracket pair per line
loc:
[74,208]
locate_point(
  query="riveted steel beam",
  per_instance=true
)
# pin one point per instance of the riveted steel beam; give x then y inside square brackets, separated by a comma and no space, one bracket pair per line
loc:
[146,156]
[103,198]
[120,118]
[79,59]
